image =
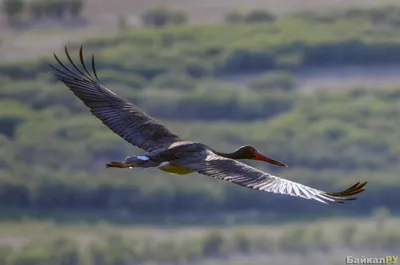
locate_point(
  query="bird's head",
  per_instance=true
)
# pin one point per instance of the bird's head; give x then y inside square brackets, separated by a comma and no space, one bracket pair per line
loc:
[249,152]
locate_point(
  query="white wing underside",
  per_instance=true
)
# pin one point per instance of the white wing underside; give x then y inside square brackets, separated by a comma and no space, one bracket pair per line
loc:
[241,174]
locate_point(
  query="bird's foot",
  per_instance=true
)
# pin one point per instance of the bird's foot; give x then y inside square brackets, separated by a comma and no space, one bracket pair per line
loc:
[119,165]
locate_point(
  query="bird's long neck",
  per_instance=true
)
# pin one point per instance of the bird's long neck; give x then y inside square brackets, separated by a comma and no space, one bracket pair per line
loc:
[233,155]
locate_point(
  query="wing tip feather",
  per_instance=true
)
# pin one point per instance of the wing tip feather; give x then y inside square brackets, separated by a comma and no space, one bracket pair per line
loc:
[75,72]
[343,196]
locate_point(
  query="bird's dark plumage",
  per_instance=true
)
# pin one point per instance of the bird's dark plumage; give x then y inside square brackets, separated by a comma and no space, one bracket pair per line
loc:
[169,152]
[122,117]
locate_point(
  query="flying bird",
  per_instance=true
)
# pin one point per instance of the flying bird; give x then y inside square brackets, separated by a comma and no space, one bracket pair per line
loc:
[168,152]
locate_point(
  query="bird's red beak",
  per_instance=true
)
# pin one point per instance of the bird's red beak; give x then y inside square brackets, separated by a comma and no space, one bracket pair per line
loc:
[261,157]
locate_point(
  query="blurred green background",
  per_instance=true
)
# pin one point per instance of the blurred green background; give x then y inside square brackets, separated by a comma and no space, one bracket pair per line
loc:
[314,84]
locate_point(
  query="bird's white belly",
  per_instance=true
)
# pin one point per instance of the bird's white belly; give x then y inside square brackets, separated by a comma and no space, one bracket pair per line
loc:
[167,167]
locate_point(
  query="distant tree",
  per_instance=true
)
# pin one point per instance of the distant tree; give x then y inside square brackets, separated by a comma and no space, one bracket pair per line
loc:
[64,251]
[36,9]
[255,16]
[161,16]
[56,8]
[13,8]
[234,17]
[178,17]
[258,16]
[242,242]
[76,7]
[213,244]
[157,17]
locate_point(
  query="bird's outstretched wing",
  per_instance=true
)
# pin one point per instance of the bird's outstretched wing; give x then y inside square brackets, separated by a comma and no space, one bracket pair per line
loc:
[236,172]
[121,116]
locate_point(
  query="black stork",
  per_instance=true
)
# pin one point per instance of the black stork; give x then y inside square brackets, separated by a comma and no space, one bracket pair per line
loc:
[170,153]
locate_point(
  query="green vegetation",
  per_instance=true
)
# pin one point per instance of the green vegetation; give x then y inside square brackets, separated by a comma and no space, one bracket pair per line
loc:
[109,245]
[254,16]
[214,50]
[274,80]
[259,16]
[53,151]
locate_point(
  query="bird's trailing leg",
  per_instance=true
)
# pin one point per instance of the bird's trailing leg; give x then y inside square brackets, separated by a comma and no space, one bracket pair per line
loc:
[119,165]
